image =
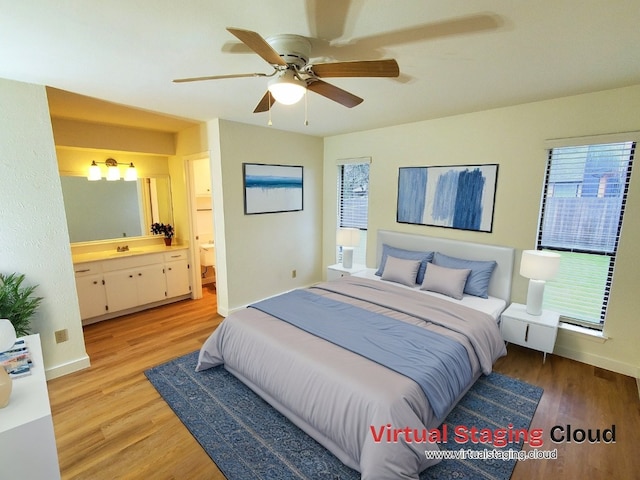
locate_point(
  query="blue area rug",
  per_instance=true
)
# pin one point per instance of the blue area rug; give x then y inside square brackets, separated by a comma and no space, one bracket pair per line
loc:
[247,438]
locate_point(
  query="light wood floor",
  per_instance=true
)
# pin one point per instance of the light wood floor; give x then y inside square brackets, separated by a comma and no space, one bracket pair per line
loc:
[110,423]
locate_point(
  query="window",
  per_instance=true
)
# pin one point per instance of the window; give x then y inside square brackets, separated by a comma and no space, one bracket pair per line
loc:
[581,218]
[353,203]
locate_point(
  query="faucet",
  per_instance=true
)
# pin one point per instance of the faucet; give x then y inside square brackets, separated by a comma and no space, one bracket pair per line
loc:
[123,249]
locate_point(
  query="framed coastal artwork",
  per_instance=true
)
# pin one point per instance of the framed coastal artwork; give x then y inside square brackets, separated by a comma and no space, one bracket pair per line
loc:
[272,188]
[456,196]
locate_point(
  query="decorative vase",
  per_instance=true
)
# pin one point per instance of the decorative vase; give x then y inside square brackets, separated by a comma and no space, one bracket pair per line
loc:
[167,241]
[6,385]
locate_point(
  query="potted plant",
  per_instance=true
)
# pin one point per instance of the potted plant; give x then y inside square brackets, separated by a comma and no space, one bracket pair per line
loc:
[162,229]
[17,303]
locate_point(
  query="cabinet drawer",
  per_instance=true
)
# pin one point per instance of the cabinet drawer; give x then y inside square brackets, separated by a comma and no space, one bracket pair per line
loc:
[175,255]
[89,268]
[527,334]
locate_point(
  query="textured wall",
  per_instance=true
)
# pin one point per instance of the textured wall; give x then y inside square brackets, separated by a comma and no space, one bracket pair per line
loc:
[33,229]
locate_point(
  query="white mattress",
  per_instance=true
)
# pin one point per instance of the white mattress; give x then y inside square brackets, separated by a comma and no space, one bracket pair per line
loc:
[492,306]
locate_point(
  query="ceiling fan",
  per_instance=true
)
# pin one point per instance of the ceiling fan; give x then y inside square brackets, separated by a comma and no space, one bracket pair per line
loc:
[293,75]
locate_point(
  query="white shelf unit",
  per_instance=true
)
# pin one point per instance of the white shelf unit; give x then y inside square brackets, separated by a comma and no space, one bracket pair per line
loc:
[27,441]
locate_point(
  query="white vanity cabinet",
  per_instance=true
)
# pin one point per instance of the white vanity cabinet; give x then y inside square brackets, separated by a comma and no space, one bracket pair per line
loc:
[92,297]
[136,286]
[117,286]
[176,271]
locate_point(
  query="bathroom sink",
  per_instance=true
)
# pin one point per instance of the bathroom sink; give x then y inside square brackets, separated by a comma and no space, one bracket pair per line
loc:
[126,252]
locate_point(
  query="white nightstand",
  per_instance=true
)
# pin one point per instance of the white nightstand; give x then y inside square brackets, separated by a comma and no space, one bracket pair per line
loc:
[533,331]
[338,271]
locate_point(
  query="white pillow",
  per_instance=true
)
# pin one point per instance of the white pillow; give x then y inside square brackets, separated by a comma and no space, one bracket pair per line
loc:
[401,271]
[447,281]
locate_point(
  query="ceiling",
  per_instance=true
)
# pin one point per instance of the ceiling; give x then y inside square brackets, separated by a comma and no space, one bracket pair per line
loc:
[454,56]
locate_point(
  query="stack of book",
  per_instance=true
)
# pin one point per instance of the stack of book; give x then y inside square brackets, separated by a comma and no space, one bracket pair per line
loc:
[17,360]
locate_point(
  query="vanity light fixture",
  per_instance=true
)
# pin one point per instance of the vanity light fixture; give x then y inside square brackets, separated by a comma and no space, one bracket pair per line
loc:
[94,172]
[113,171]
[131,175]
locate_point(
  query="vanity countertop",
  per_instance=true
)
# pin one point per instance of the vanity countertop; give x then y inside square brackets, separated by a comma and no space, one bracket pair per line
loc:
[113,253]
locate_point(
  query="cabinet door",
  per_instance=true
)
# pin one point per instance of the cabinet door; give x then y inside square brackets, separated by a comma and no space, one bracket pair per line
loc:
[92,297]
[513,330]
[151,284]
[178,278]
[122,290]
[541,338]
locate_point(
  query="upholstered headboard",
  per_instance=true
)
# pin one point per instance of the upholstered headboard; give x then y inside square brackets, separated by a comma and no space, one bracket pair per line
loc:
[500,284]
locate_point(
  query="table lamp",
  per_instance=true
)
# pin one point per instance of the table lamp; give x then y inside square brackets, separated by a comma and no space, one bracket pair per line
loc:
[538,266]
[348,238]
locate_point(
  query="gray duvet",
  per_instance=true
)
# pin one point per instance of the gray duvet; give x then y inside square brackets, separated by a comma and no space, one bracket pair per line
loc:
[347,402]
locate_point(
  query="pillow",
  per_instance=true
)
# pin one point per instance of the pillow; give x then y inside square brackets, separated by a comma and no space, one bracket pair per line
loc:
[479,278]
[424,258]
[448,281]
[400,270]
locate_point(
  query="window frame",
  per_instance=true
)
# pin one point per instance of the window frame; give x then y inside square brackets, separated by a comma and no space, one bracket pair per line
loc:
[634,139]
[361,252]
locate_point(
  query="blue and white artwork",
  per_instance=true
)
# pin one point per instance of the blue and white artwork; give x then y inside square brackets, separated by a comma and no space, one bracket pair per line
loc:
[460,196]
[272,188]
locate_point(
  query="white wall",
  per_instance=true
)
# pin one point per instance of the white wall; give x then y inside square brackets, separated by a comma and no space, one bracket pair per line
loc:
[256,253]
[513,137]
[33,228]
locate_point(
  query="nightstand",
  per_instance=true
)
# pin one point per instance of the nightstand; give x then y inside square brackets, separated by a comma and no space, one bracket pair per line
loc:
[533,331]
[337,271]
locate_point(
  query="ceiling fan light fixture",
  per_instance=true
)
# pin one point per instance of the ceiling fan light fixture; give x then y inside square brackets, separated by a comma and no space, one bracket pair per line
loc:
[286,88]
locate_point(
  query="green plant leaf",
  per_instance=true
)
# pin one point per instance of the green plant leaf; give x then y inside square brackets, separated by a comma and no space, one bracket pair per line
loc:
[17,303]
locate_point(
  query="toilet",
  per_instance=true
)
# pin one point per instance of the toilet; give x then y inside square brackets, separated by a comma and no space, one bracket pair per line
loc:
[207,255]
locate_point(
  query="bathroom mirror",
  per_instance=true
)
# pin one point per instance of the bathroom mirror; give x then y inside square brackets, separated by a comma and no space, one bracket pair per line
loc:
[106,210]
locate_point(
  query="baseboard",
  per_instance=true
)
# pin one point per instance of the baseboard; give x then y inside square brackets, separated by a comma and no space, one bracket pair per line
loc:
[597,361]
[67,368]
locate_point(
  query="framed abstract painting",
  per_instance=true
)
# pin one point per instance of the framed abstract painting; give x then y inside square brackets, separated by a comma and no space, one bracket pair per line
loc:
[272,188]
[456,196]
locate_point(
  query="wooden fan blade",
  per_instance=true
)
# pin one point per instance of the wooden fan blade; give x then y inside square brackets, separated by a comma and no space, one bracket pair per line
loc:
[259,45]
[219,77]
[265,103]
[334,93]
[363,68]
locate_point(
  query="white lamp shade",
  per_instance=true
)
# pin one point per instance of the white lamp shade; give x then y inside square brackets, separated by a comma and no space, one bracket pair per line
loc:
[113,173]
[131,174]
[287,89]
[539,265]
[7,335]
[348,237]
[94,172]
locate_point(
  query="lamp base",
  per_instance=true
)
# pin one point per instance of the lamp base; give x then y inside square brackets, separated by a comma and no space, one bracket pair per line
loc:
[347,257]
[535,293]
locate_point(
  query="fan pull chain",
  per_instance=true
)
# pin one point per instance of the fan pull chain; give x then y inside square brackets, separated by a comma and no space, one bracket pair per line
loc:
[306,117]
[269,123]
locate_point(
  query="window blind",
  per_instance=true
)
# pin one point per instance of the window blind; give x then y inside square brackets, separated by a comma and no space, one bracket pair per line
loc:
[353,191]
[353,203]
[581,217]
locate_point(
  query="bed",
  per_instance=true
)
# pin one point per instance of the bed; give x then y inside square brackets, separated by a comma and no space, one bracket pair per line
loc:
[317,355]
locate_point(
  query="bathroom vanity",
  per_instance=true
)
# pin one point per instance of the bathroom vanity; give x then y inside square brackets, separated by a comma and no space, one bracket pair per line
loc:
[115,283]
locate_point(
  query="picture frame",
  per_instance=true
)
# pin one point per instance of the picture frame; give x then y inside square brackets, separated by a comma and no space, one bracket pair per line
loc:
[272,188]
[461,197]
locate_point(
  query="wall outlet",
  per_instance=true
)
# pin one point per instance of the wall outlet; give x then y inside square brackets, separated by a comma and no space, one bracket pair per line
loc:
[62,335]
[293,274]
